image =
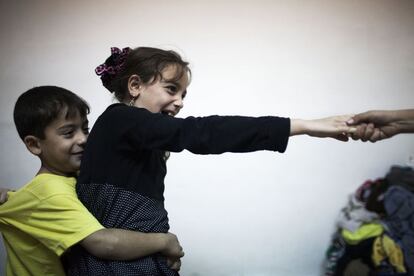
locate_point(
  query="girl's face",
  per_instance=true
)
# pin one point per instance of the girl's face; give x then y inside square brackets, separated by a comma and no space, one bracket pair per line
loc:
[165,95]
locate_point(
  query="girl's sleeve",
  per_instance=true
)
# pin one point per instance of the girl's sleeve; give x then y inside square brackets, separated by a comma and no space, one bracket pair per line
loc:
[205,135]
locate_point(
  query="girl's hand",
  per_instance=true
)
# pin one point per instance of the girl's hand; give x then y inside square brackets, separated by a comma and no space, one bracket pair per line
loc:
[334,127]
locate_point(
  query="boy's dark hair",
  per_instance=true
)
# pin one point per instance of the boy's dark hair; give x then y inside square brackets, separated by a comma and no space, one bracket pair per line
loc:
[36,108]
[146,62]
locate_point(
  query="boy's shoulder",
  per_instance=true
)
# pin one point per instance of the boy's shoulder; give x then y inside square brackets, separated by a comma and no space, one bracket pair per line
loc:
[43,193]
[45,185]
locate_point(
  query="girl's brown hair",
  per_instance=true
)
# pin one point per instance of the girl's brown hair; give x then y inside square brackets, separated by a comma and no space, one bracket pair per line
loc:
[146,62]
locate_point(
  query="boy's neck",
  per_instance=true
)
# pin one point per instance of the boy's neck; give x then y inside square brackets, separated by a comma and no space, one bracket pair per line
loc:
[44,169]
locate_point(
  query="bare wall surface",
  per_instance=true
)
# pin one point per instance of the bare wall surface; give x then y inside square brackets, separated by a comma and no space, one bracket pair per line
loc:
[261,213]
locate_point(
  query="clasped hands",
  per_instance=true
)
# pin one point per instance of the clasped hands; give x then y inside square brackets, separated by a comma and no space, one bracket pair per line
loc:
[370,126]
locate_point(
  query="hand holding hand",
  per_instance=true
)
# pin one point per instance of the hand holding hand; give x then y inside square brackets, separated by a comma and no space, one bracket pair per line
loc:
[377,125]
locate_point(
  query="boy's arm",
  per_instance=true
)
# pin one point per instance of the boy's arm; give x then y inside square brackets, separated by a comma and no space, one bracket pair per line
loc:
[71,223]
[120,244]
[334,127]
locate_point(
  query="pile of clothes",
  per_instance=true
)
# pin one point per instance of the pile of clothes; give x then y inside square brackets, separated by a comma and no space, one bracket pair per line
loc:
[375,234]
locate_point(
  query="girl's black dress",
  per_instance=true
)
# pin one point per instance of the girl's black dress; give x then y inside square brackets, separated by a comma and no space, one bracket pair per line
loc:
[122,173]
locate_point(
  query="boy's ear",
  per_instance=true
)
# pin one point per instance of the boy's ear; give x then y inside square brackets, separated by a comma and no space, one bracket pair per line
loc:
[134,86]
[33,144]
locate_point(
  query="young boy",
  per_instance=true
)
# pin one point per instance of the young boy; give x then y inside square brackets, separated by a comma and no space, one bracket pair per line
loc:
[44,218]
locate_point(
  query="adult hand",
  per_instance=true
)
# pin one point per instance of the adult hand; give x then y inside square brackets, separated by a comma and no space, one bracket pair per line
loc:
[377,125]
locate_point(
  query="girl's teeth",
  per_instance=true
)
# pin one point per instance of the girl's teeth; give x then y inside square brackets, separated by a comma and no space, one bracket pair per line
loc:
[167,113]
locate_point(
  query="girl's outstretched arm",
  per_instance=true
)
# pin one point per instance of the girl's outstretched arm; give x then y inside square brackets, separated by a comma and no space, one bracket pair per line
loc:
[334,127]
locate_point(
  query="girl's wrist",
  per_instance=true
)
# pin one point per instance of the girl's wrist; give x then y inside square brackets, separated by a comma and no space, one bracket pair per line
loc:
[298,127]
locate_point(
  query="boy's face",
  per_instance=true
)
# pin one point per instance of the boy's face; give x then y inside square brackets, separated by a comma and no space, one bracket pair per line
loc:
[62,148]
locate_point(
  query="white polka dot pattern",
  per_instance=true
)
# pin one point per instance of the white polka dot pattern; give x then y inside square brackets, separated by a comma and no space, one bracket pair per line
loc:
[117,208]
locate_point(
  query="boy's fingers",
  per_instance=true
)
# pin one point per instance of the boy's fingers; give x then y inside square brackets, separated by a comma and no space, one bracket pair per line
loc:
[169,262]
[176,265]
[3,197]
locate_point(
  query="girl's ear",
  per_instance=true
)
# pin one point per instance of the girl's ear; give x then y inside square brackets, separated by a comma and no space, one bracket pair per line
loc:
[33,144]
[134,86]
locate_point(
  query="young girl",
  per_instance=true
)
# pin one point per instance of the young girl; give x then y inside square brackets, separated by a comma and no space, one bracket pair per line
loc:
[122,173]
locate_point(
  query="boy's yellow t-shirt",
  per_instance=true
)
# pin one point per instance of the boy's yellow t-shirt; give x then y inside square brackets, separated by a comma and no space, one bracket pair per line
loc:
[40,221]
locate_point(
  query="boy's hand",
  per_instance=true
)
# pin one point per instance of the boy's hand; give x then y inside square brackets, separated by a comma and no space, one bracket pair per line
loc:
[172,249]
[3,195]
[174,264]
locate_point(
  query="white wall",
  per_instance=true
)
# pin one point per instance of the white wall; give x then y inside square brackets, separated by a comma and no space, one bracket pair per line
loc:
[236,214]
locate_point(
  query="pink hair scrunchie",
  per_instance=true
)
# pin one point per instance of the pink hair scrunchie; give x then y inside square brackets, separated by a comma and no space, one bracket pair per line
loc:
[114,63]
